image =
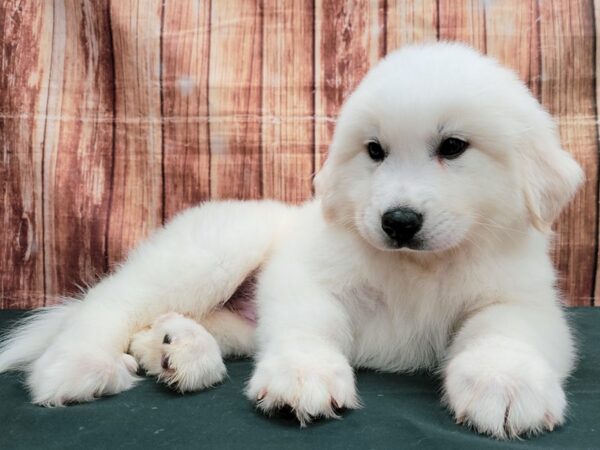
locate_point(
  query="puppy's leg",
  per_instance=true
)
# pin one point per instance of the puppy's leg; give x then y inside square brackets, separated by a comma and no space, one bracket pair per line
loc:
[304,338]
[188,355]
[191,266]
[505,370]
[234,333]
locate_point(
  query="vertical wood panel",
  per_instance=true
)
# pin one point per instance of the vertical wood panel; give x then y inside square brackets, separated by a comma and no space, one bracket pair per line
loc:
[512,37]
[596,292]
[136,203]
[464,21]
[349,39]
[78,147]
[214,99]
[25,52]
[287,100]
[408,21]
[185,59]
[567,45]
[235,98]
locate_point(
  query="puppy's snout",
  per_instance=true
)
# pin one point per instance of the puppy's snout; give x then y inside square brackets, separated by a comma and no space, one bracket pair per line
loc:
[401,224]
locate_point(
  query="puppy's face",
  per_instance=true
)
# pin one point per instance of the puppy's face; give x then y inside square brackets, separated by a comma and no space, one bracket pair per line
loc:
[439,146]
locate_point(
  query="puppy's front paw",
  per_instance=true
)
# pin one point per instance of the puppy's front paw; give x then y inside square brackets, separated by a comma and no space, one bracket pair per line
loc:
[314,384]
[505,389]
[180,352]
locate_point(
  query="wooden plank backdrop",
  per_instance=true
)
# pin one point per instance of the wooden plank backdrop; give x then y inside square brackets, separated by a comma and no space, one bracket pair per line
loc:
[115,115]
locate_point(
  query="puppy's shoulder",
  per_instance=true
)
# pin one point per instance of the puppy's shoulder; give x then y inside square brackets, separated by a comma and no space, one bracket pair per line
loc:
[514,270]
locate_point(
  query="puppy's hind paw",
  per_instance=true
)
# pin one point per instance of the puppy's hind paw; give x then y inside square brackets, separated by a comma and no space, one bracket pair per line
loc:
[66,374]
[180,352]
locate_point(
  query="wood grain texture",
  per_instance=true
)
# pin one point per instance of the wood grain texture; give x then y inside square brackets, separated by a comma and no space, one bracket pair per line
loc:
[115,115]
[77,147]
[234,98]
[513,38]
[287,100]
[349,39]
[136,206]
[26,50]
[567,91]
[408,22]
[596,293]
[185,61]
[463,21]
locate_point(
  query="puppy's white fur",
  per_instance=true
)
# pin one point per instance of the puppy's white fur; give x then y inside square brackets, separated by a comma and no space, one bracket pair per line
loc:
[477,300]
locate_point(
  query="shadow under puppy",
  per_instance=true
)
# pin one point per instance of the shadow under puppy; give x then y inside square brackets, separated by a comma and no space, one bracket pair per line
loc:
[426,247]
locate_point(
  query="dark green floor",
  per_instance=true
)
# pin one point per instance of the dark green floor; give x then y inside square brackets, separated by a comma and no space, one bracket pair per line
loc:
[400,411]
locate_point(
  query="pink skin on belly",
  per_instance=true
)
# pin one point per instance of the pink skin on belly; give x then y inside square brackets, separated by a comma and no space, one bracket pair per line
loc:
[242,300]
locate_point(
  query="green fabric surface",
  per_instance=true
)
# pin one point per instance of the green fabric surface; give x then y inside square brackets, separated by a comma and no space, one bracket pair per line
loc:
[400,411]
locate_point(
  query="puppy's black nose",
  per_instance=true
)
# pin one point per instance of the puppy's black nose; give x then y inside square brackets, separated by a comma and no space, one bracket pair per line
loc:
[401,224]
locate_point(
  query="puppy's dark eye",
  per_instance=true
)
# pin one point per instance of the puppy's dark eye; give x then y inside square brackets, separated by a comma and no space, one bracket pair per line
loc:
[376,152]
[452,148]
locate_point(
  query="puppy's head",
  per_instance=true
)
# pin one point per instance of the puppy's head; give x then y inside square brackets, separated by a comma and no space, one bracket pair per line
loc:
[440,145]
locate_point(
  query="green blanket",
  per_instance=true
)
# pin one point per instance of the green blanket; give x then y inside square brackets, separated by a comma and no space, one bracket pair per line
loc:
[400,411]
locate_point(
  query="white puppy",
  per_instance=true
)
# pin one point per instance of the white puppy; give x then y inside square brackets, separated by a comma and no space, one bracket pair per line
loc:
[427,247]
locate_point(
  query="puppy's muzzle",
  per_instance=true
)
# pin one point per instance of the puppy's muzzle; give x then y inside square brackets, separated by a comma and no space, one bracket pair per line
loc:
[401,224]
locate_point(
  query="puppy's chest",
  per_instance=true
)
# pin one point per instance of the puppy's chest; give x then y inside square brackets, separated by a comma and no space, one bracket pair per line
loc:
[397,328]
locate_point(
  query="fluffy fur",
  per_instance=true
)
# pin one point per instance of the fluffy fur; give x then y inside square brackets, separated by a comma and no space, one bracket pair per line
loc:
[476,300]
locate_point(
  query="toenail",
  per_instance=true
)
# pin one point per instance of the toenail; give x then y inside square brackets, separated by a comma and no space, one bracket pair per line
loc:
[261,395]
[167,339]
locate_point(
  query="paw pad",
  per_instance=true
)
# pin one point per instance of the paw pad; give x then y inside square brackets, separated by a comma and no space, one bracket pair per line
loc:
[164,362]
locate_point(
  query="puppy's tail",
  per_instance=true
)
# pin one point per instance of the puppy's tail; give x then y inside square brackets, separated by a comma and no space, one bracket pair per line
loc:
[31,336]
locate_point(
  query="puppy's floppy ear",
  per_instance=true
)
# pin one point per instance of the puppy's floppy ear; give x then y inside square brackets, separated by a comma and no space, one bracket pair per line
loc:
[323,186]
[550,174]
[320,182]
